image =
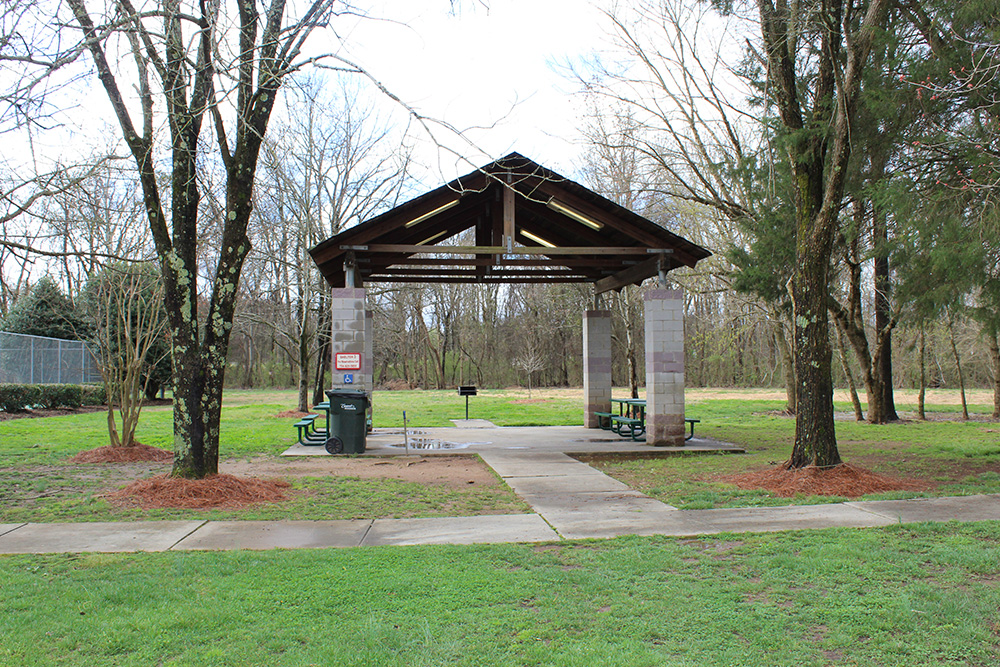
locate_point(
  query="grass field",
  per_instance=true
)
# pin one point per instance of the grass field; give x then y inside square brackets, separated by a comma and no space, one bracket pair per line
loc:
[961,458]
[923,595]
[910,595]
[37,483]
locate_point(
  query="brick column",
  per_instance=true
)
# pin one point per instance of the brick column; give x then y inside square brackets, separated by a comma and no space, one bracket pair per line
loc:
[664,367]
[350,335]
[596,365]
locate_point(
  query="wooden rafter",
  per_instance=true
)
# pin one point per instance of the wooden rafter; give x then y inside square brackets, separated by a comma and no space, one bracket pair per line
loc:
[507,207]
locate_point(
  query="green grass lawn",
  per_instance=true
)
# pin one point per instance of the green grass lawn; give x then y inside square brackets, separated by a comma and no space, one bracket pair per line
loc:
[37,483]
[905,595]
[962,458]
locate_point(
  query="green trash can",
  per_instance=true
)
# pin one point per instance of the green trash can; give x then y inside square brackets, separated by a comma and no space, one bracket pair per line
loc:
[348,421]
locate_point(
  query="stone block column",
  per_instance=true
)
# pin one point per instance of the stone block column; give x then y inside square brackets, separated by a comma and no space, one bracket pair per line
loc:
[350,336]
[664,367]
[596,365]
[369,362]
[369,359]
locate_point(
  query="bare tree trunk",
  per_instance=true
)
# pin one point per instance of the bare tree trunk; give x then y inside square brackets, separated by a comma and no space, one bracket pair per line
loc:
[303,369]
[994,347]
[858,414]
[921,415]
[884,320]
[923,375]
[322,366]
[851,323]
[958,367]
[815,435]
[248,374]
[788,368]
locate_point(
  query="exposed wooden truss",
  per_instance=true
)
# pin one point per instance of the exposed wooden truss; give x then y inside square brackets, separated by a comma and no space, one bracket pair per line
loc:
[528,225]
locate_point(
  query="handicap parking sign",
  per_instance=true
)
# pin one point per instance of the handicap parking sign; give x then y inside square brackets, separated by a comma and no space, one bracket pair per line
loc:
[348,378]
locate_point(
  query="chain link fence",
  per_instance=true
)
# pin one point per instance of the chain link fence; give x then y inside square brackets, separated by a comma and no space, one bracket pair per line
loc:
[40,360]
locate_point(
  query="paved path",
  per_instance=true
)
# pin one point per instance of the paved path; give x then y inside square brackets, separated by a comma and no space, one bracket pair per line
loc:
[571,500]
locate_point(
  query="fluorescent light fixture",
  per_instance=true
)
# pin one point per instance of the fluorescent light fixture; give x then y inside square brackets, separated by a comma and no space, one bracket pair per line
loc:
[537,239]
[431,214]
[568,212]
[428,240]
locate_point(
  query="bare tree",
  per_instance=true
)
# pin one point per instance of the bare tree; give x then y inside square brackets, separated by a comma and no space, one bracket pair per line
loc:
[530,360]
[125,302]
[328,169]
[186,61]
[681,103]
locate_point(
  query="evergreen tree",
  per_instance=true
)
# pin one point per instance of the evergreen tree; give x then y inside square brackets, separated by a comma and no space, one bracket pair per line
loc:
[45,311]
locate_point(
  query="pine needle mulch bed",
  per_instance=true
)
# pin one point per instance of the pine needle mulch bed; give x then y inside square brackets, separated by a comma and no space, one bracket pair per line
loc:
[702,482]
[133,454]
[39,413]
[261,489]
[845,481]
[213,492]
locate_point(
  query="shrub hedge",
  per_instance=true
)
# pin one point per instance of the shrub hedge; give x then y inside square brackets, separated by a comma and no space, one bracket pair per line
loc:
[21,397]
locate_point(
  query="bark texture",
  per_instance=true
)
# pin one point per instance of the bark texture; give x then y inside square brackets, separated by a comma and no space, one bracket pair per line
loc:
[817,140]
[184,67]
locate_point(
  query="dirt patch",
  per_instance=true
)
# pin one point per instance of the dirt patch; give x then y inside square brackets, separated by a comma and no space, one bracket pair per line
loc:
[137,452]
[215,491]
[941,471]
[291,414]
[395,385]
[54,412]
[449,471]
[845,480]
[38,413]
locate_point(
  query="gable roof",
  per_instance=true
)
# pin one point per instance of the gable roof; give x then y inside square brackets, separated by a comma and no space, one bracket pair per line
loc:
[530,225]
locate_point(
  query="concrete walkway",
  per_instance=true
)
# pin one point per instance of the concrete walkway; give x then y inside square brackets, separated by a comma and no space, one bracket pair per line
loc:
[571,500]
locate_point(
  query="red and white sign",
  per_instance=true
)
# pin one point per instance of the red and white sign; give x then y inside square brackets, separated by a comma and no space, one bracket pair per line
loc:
[347,361]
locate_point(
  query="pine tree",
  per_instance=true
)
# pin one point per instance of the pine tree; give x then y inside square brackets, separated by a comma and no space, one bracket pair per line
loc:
[45,311]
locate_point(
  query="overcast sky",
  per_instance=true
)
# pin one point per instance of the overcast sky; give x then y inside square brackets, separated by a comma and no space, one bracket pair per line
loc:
[494,68]
[479,66]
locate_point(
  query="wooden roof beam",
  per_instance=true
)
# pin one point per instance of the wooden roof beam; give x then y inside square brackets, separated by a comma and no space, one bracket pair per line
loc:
[473,279]
[614,222]
[500,250]
[397,219]
[484,260]
[631,276]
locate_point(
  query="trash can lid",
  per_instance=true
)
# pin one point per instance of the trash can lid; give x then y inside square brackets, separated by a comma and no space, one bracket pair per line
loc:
[346,393]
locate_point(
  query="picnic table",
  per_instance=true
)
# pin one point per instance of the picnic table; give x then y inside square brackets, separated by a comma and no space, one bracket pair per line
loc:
[312,435]
[631,416]
[309,433]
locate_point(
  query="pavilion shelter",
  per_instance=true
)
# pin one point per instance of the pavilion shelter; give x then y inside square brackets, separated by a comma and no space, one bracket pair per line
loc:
[531,225]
